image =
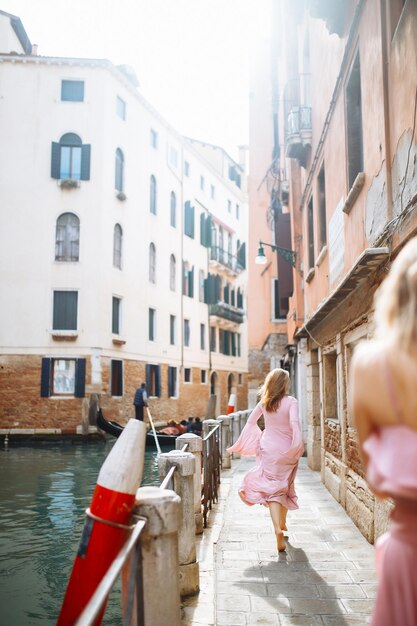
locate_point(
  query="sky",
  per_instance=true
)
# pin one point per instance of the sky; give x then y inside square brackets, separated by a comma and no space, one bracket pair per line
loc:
[192,57]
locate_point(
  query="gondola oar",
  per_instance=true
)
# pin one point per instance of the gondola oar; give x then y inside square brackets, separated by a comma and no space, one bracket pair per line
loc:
[158,447]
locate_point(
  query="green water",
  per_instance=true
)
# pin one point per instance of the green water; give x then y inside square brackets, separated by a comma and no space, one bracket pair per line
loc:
[44,492]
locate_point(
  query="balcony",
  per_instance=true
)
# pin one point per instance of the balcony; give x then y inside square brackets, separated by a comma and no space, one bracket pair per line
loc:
[299,134]
[227,312]
[223,260]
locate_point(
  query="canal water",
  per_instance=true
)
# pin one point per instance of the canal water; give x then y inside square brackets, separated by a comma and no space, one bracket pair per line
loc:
[44,492]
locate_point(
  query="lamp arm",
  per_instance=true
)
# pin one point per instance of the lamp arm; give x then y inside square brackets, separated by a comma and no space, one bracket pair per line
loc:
[288,255]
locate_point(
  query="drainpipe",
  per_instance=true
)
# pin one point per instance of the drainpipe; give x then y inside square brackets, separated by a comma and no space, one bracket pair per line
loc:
[387,138]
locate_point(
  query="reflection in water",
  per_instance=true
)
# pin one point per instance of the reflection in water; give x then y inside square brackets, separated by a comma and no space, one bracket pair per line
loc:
[44,492]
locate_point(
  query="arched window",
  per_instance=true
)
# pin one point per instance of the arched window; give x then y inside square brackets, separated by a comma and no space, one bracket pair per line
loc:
[152,196]
[70,156]
[152,263]
[172,272]
[230,384]
[173,209]
[117,246]
[119,173]
[201,286]
[67,238]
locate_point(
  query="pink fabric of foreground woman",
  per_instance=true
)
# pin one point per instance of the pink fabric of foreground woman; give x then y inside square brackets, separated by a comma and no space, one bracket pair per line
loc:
[392,470]
[278,449]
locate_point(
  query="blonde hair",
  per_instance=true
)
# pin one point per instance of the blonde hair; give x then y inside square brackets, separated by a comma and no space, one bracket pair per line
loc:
[275,387]
[396,301]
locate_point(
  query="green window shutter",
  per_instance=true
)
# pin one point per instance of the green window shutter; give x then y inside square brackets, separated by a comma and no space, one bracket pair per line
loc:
[55,160]
[191,283]
[192,222]
[46,378]
[158,381]
[85,161]
[217,287]
[241,256]
[209,227]
[148,379]
[80,366]
[202,229]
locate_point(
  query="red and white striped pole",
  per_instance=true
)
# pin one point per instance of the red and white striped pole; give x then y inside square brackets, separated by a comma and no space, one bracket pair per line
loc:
[232,404]
[108,518]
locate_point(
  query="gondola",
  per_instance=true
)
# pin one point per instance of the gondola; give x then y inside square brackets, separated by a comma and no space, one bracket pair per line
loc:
[114,429]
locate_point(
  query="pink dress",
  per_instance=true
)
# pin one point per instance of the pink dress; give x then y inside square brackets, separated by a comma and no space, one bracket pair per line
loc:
[392,470]
[278,449]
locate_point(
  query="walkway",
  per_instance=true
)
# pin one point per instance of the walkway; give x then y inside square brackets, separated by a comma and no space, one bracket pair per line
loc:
[326,576]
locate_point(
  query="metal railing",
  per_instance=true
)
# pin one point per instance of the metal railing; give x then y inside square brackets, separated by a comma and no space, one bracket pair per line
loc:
[130,557]
[211,463]
[226,258]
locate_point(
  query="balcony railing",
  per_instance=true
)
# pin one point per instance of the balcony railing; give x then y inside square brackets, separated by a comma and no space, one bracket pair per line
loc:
[226,259]
[227,311]
[299,133]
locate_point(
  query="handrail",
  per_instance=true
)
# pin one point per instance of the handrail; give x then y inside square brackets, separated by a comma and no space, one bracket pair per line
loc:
[211,462]
[97,600]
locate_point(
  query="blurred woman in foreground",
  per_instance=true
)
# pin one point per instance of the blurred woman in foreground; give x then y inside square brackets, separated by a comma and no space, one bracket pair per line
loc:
[384,403]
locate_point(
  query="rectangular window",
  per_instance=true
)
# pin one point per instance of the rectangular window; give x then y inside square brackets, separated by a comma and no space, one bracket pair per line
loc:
[63,377]
[72,90]
[172,382]
[213,342]
[115,323]
[152,324]
[187,333]
[116,377]
[240,379]
[187,375]
[354,123]
[203,377]
[229,206]
[310,227]
[153,380]
[154,139]
[65,310]
[173,156]
[186,168]
[172,333]
[189,219]
[120,108]
[71,157]
[202,183]
[330,386]
[212,192]
[202,336]
[321,180]
[237,212]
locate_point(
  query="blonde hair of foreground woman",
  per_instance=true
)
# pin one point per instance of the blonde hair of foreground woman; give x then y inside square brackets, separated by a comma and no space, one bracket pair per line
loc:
[396,301]
[275,387]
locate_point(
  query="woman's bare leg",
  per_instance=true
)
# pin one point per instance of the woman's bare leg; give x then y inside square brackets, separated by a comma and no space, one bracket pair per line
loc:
[275,513]
[283,518]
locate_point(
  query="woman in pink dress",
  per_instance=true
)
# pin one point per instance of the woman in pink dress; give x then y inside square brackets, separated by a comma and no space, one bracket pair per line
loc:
[384,402]
[277,450]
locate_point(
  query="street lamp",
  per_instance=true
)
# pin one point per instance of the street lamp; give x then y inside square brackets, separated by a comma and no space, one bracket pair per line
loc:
[288,255]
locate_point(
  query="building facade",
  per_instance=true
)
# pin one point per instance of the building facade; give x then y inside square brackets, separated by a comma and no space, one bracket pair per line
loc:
[347,75]
[123,250]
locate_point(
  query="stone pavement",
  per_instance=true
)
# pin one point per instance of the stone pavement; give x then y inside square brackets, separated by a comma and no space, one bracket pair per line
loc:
[325,577]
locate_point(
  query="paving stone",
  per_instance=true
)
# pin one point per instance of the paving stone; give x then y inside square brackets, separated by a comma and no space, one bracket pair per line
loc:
[233,602]
[358,606]
[331,576]
[292,590]
[230,618]
[317,607]
[370,589]
[243,588]
[341,591]
[270,605]
[300,620]
[268,619]
[346,620]
[363,576]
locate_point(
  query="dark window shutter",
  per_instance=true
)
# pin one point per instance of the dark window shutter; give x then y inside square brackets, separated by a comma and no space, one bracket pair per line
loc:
[158,381]
[192,222]
[203,229]
[226,294]
[209,227]
[120,377]
[233,344]
[241,256]
[79,391]
[169,381]
[46,378]
[55,160]
[191,283]
[148,379]
[232,297]
[239,299]
[85,161]
[217,287]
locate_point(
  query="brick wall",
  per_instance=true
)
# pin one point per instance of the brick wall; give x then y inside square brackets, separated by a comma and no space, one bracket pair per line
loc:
[21,405]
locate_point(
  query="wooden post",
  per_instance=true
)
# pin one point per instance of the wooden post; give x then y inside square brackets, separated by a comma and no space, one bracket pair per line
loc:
[195,446]
[184,462]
